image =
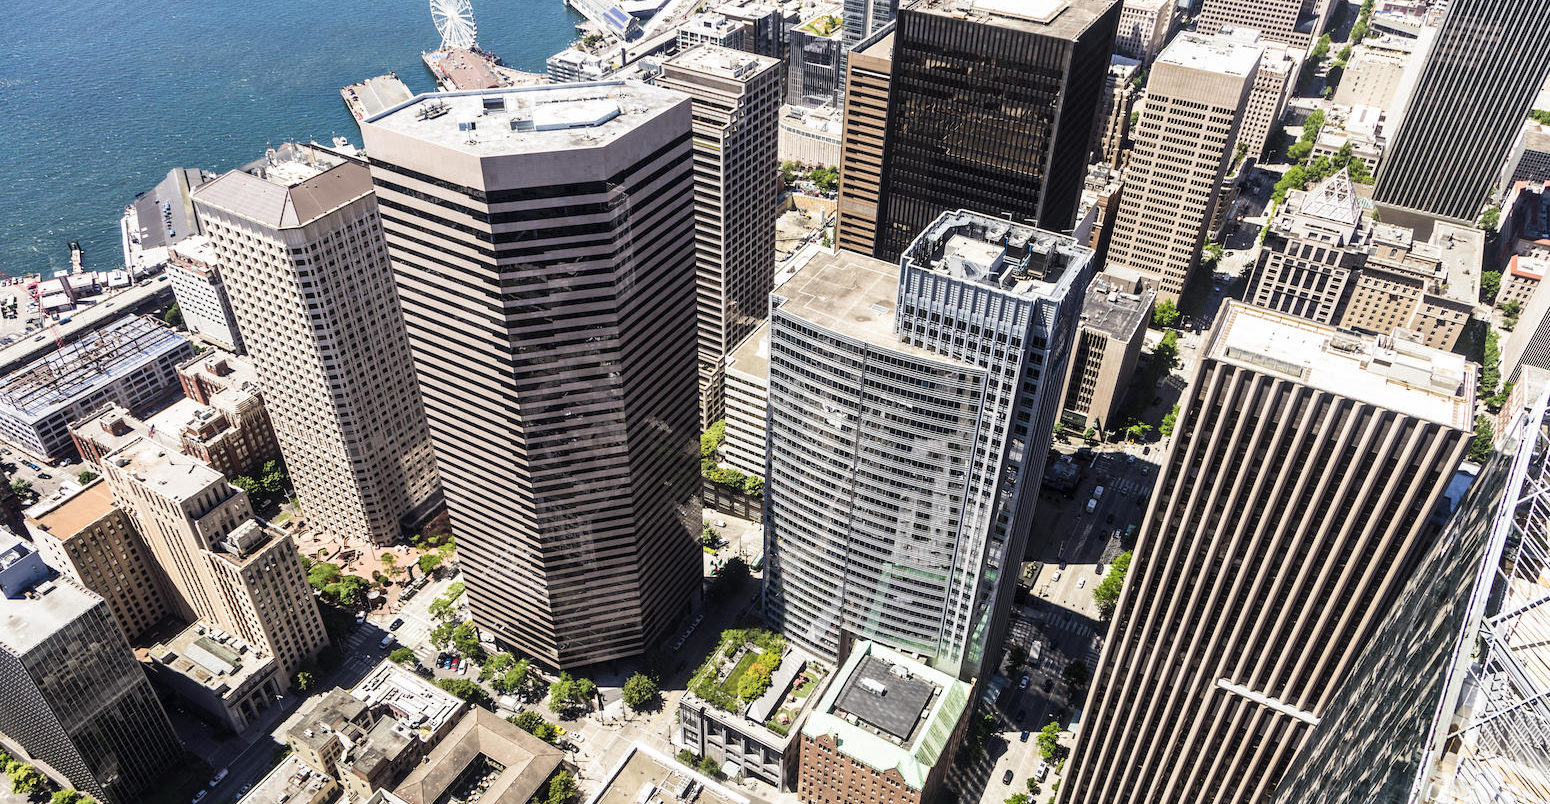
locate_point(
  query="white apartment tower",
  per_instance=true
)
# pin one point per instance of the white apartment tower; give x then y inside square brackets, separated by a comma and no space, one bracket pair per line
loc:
[910,412]
[307,271]
[543,244]
[1195,97]
[736,99]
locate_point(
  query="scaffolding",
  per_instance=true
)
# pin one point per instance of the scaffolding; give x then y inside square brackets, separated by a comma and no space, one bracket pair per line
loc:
[83,366]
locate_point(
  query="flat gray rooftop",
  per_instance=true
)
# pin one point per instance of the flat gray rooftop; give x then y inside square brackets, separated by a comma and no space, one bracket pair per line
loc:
[1215,54]
[27,622]
[852,295]
[897,709]
[1108,308]
[722,62]
[1062,19]
[517,120]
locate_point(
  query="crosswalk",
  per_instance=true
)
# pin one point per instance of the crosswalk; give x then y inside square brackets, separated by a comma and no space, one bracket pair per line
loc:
[360,651]
[1066,621]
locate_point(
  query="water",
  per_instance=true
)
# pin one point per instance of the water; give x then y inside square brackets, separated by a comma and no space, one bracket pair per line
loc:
[100,98]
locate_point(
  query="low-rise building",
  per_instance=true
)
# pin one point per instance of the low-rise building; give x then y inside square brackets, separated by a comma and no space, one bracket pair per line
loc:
[292,782]
[747,390]
[711,29]
[883,733]
[646,775]
[129,362]
[810,136]
[1529,159]
[233,682]
[758,740]
[572,65]
[93,541]
[201,295]
[483,753]
[1114,318]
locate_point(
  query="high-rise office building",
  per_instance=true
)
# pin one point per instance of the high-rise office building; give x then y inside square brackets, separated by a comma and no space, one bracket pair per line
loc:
[868,67]
[910,411]
[1115,313]
[543,244]
[1296,22]
[73,699]
[220,563]
[991,107]
[1119,92]
[1195,97]
[866,17]
[1447,703]
[1144,26]
[201,294]
[301,249]
[1473,93]
[736,101]
[1293,505]
[1273,84]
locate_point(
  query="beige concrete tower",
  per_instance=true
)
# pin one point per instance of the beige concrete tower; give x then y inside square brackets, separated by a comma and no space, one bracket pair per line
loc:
[1195,96]
[1295,22]
[307,272]
[868,71]
[736,104]
[1295,501]
[220,563]
[543,245]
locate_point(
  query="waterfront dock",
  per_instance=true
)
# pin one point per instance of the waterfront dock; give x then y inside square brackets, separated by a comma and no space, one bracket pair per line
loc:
[374,95]
[464,69]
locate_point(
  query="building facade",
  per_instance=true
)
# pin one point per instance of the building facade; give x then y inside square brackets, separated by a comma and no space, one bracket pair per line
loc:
[1475,89]
[868,70]
[205,667]
[543,242]
[1252,592]
[816,66]
[1195,97]
[852,342]
[748,386]
[1273,84]
[73,699]
[736,101]
[1113,126]
[96,544]
[201,295]
[1115,315]
[1295,22]
[991,109]
[300,242]
[1144,26]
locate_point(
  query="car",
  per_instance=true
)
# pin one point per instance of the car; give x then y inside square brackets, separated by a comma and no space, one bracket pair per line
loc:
[720,523]
[1145,470]
[45,476]
[199,796]
[1048,685]
[1054,576]
[1130,459]
[1022,683]
[387,640]
[1097,492]
[1081,583]
[455,661]
[220,776]
[394,625]
[1023,738]
[1092,504]
[1041,771]
[462,669]
[244,789]
[1006,778]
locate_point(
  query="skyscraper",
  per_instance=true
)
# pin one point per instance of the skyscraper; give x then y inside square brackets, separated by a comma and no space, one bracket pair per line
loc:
[736,101]
[868,67]
[1195,97]
[1293,505]
[543,243]
[301,250]
[73,699]
[1447,703]
[910,411]
[991,107]
[1474,91]
[1295,22]
[866,17]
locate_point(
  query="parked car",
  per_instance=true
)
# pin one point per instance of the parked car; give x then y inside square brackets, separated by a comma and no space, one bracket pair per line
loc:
[220,776]
[1006,778]
[1092,504]
[1081,583]
[1041,771]
[200,796]
[1023,737]
[1022,683]
[397,621]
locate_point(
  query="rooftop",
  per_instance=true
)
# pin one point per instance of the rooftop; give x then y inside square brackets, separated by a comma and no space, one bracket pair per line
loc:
[1063,19]
[291,780]
[667,779]
[212,658]
[1462,250]
[290,187]
[98,359]
[1015,258]
[75,512]
[1115,307]
[752,357]
[524,120]
[1401,376]
[165,471]
[924,703]
[1215,54]
[421,707]
[526,762]
[722,62]
[27,622]
[852,295]
[323,716]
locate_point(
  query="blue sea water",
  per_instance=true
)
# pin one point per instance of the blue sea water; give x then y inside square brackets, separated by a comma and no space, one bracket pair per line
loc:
[100,98]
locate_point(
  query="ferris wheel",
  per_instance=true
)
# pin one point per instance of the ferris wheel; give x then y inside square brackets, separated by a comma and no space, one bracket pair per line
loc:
[455,22]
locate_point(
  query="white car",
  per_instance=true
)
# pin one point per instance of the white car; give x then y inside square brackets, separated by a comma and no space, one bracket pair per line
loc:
[1081,583]
[1054,576]
[1041,771]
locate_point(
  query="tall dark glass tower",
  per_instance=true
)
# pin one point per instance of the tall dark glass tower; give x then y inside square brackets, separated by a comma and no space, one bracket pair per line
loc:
[1475,89]
[992,108]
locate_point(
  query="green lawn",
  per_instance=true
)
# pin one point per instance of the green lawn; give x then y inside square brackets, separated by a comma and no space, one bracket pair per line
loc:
[730,685]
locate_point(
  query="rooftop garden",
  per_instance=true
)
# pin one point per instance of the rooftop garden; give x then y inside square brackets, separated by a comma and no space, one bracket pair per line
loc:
[780,722]
[825,25]
[738,671]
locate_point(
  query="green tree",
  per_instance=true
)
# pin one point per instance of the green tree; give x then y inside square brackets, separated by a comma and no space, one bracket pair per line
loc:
[711,439]
[1167,349]
[561,692]
[465,638]
[639,692]
[1076,675]
[1165,314]
[1484,441]
[469,691]
[1106,592]
[709,767]
[1019,798]
[1490,364]
[527,720]
[428,563]
[1320,49]
[1344,55]
[348,591]
[322,574]
[441,635]
[826,179]
[70,797]
[1137,430]
[304,680]
[404,656]
[515,679]
[495,666]
[1048,741]
[562,789]
[173,316]
[1170,420]
[26,780]
[710,537]
[1490,285]
[273,477]
[247,484]
[86,476]
[22,488]
[755,680]
[1017,656]
[1490,219]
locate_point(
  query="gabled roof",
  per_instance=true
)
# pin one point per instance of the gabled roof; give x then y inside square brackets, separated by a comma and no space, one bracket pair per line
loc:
[275,205]
[1334,200]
